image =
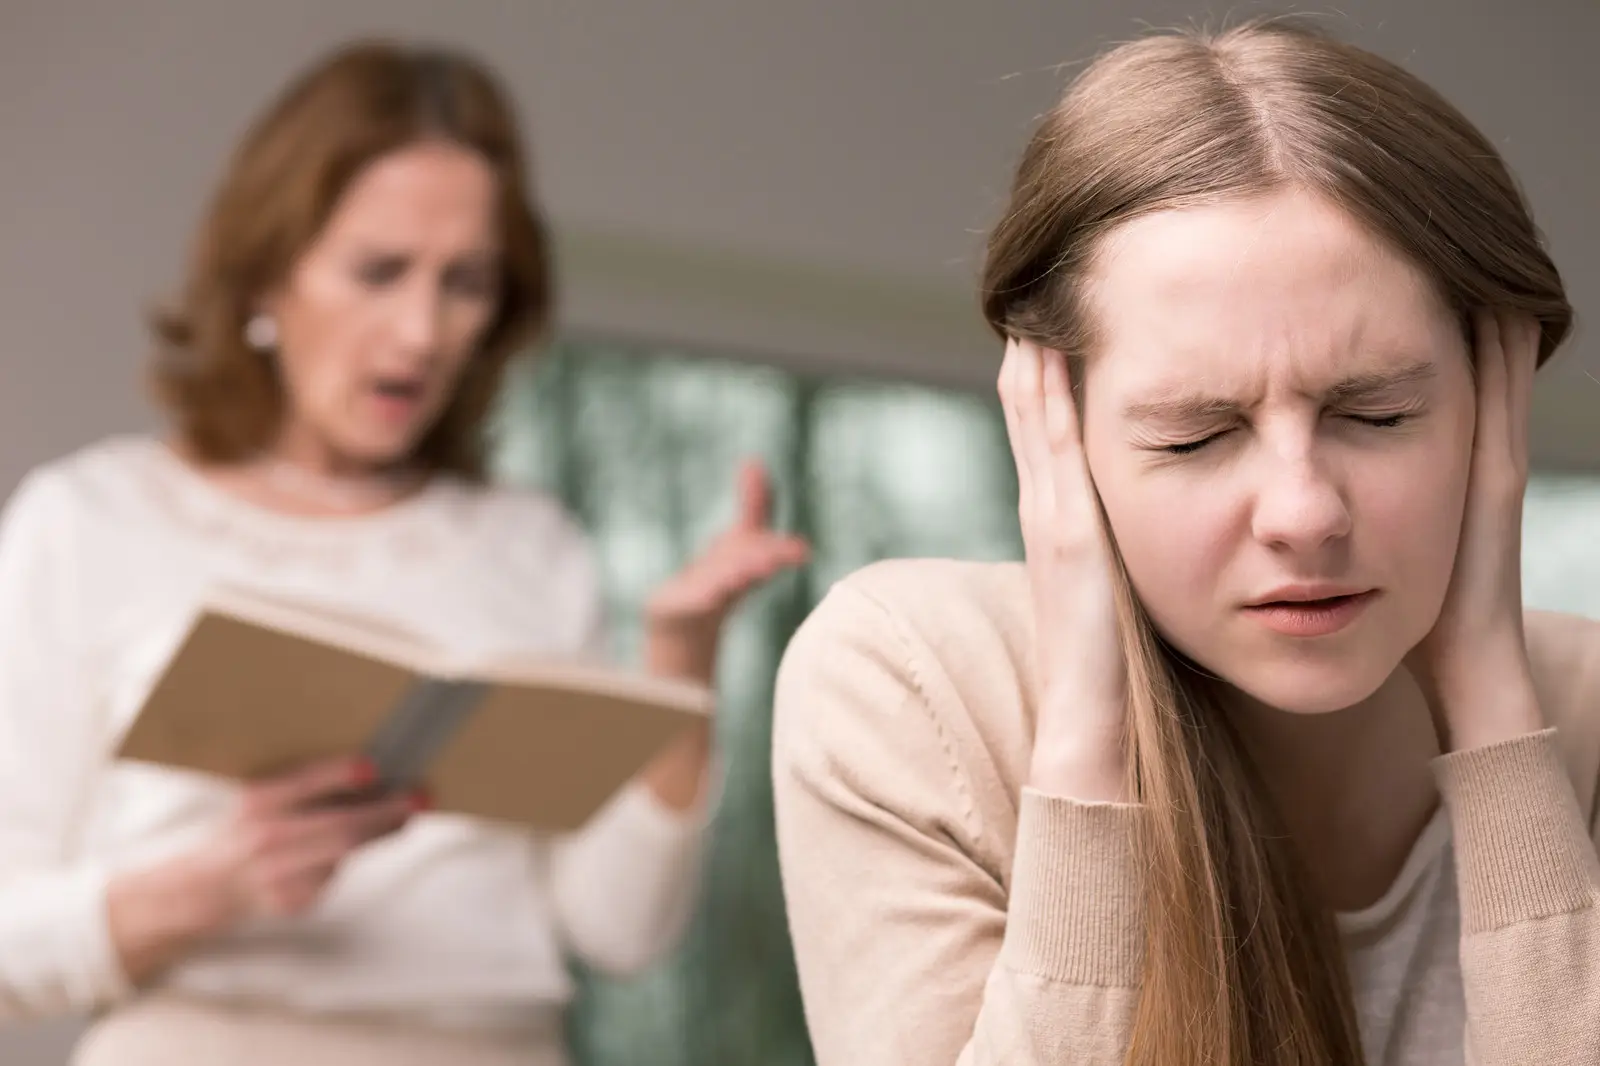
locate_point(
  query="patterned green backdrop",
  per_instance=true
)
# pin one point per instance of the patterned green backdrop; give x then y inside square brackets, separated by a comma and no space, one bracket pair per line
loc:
[643,449]
[642,446]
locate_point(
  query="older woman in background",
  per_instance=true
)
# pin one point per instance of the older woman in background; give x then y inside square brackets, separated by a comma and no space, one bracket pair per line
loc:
[369,265]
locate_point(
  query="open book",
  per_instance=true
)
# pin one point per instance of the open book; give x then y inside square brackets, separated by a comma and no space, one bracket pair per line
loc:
[260,686]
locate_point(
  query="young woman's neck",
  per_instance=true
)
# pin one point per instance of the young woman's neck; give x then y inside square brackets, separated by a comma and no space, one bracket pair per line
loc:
[1354,787]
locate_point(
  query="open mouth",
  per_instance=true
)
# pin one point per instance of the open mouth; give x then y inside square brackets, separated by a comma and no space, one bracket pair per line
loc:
[1312,617]
[1324,602]
[402,389]
[399,400]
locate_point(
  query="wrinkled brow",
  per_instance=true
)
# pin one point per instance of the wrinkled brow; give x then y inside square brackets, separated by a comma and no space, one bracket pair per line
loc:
[1195,407]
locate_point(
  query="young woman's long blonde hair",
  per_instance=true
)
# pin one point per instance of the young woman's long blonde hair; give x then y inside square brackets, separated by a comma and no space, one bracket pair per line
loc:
[1242,965]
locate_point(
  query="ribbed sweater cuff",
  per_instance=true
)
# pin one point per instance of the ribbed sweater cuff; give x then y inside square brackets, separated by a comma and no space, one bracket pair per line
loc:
[1075,912]
[1522,849]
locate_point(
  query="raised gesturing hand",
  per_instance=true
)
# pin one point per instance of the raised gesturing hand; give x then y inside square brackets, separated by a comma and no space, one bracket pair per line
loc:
[684,616]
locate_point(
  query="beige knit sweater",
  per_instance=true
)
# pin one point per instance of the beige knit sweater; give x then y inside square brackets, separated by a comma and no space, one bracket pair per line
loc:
[944,914]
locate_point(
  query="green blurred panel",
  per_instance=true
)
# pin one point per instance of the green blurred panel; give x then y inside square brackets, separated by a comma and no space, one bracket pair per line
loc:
[644,447]
[1561,544]
[898,471]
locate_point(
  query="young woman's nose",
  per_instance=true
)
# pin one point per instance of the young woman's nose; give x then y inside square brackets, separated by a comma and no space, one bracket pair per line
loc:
[1299,506]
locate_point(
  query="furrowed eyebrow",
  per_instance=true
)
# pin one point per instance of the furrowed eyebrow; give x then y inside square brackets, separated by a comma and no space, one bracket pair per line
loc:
[1199,407]
[1365,385]
[1180,409]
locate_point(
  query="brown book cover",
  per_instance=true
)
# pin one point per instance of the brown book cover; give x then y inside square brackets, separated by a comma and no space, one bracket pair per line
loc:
[260,686]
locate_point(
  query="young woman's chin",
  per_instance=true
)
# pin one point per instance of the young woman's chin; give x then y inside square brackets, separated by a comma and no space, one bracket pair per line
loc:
[1302,688]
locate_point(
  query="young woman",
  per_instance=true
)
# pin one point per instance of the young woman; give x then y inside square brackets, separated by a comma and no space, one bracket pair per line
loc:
[370,263]
[1257,759]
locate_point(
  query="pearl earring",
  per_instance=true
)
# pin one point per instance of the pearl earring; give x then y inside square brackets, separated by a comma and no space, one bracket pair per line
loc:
[261,332]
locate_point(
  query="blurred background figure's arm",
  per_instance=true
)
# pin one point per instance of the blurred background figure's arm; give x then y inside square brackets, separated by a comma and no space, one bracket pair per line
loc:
[56,951]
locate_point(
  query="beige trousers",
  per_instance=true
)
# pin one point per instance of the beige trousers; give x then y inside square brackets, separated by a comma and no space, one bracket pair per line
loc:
[170,1031]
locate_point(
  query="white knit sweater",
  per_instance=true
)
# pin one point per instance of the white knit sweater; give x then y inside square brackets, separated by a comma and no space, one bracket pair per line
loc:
[103,555]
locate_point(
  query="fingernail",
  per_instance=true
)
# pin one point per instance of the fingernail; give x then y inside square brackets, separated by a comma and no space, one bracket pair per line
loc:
[365,772]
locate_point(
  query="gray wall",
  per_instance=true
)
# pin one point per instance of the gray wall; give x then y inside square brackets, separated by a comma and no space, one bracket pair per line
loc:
[801,181]
[805,181]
